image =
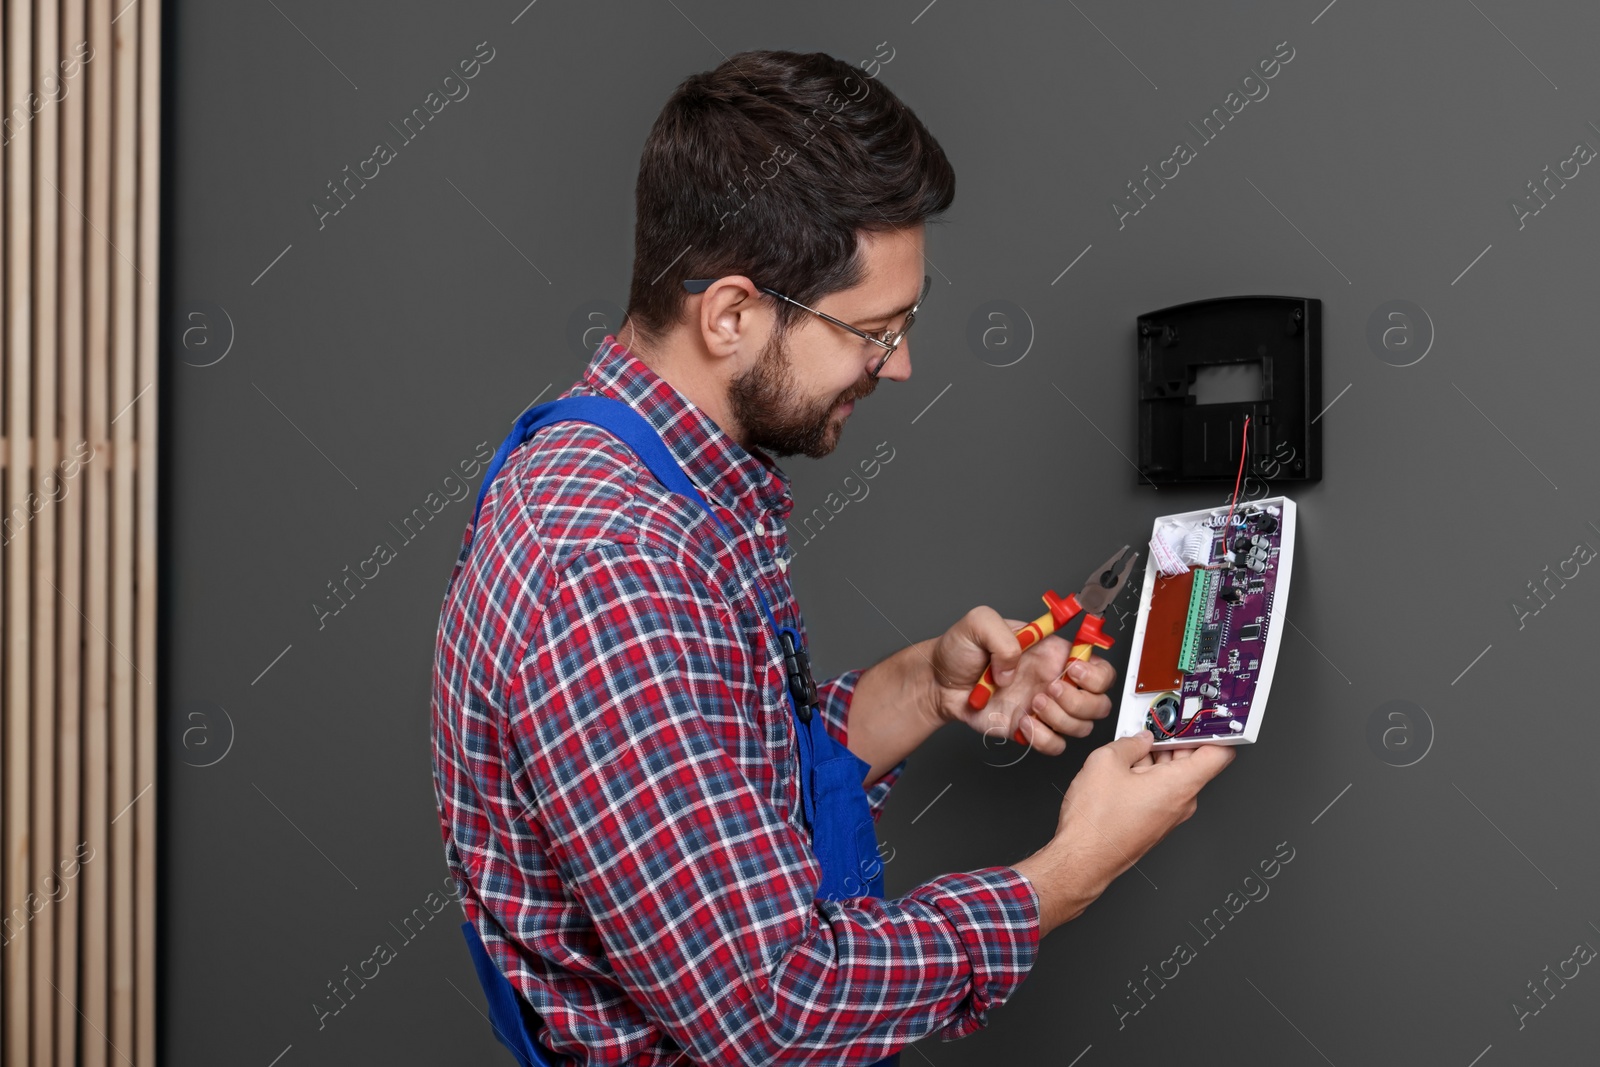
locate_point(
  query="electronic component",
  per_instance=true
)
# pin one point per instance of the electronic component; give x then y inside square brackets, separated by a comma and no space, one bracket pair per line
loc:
[1165,712]
[1206,643]
[1163,635]
[1205,582]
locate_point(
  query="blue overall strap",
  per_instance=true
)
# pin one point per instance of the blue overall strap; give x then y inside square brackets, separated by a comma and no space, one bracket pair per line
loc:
[835,805]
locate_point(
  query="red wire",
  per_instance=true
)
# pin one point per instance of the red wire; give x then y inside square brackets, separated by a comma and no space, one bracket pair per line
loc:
[1192,720]
[1227,526]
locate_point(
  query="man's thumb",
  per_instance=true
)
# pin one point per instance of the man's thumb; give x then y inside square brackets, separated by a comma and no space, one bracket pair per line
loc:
[990,632]
[1130,750]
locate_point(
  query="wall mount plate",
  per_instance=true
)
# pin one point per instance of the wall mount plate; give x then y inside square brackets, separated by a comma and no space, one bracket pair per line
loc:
[1185,439]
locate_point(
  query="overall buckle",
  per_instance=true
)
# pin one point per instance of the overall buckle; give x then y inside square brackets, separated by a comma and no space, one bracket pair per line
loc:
[797,665]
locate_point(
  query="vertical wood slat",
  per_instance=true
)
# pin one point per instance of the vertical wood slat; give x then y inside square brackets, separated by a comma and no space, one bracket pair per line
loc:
[93,982]
[19,365]
[79,240]
[42,625]
[124,99]
[72,631]
[149,207]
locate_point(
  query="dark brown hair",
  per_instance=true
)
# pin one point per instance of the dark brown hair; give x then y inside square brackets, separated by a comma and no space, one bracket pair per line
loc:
[767,166]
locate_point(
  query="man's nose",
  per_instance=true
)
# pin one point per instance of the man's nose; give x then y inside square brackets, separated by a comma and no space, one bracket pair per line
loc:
[898,367]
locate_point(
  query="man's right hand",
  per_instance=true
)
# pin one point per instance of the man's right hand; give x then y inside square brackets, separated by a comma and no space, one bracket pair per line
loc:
[1123,801]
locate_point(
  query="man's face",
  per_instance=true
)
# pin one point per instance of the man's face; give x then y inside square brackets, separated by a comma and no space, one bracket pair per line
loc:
[792,400]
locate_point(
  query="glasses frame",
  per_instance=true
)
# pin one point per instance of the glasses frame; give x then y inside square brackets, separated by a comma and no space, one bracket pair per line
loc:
[889,341]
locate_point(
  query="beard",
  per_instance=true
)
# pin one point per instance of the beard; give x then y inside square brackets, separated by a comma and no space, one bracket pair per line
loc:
[776,417]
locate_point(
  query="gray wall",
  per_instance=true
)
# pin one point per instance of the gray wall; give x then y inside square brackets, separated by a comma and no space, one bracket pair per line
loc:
[365,357]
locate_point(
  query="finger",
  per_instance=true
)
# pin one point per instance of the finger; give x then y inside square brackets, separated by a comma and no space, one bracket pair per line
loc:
[984,627]
[1207,762]
[1058,719]
[1041,736]
[1079,704]
[1095,674]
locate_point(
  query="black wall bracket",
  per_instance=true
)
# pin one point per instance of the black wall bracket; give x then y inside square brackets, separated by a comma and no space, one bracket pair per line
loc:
[1181,439]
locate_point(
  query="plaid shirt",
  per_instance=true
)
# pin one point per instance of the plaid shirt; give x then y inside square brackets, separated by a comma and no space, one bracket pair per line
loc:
[614,764]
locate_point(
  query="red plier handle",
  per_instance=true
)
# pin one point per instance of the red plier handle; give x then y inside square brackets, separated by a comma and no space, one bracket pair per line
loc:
[1090,636]
[1100,590]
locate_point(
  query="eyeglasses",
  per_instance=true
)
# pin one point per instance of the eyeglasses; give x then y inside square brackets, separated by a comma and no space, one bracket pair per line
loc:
[889,340]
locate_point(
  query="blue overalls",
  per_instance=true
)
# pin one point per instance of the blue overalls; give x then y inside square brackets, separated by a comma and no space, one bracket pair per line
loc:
[843,836]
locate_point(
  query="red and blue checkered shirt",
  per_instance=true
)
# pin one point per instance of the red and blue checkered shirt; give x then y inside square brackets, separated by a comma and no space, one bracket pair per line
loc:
[614,763]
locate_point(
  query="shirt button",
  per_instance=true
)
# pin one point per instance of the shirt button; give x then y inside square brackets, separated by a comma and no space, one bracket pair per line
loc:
[783,565]
[761,529]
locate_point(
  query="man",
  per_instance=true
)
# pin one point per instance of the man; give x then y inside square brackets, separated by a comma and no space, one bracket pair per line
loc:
[622,776]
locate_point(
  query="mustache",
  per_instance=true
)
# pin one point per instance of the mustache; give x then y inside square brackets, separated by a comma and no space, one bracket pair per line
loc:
[859,392]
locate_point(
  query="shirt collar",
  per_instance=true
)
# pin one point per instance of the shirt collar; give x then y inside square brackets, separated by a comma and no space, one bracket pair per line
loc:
[749,483]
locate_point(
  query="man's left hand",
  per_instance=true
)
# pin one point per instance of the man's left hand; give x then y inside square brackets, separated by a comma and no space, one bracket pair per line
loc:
[1031,695]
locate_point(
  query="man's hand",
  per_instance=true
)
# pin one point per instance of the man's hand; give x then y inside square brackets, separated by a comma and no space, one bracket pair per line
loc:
[1032,694]
[1126,798]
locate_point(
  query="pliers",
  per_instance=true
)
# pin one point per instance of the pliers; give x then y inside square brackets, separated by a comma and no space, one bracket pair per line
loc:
[1099,590]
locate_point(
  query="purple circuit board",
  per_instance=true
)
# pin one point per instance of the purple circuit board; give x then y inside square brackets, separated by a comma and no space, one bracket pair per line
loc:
[1231,637]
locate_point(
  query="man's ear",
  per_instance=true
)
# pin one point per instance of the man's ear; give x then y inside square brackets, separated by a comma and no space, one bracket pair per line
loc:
[731,314]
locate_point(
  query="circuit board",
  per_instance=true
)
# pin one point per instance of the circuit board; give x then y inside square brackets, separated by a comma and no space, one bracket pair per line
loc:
[1208,629]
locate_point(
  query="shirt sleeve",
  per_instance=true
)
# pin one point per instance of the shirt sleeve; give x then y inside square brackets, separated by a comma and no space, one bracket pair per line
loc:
[835,696]
[703,896]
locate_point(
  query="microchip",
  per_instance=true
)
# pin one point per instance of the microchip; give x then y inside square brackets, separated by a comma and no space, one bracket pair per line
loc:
[1250,631]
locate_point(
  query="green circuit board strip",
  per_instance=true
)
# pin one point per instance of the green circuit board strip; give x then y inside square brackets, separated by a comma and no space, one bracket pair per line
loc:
[1199,605]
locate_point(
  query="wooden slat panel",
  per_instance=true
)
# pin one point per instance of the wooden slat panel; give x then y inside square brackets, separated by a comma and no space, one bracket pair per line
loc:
[79,307]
